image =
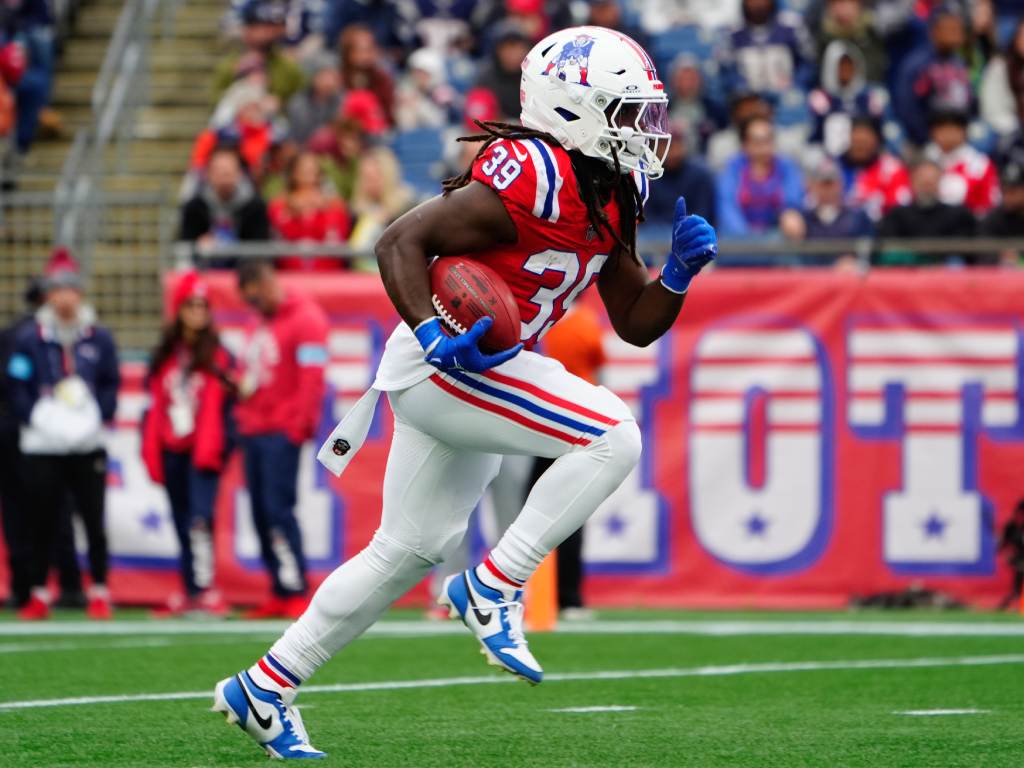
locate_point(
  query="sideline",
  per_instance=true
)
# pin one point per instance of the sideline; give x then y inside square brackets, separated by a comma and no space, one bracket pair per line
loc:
[624,674]
[715,628]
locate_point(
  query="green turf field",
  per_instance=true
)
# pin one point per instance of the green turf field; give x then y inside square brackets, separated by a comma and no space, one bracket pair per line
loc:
[754,690]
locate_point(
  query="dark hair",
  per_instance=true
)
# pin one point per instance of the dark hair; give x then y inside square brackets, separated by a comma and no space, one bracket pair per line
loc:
[203,350]
[597,182]
[867,121]
[252,270]
[1019,508]
[227,148]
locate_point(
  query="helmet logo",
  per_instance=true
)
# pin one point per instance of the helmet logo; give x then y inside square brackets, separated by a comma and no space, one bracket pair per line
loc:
[573,61]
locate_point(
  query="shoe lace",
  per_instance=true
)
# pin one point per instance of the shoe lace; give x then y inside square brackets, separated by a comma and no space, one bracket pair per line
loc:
[516,612]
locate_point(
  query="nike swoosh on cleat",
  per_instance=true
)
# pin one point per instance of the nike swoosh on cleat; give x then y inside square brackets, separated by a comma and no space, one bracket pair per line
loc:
[263,722]
[483,618]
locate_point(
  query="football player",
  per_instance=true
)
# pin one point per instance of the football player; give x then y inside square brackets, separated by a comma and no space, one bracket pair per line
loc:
[552,206]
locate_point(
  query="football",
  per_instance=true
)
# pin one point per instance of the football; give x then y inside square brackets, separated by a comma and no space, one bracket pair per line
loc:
[464,290]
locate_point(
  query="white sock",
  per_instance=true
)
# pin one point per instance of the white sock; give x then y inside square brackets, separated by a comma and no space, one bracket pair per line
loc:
[271,675]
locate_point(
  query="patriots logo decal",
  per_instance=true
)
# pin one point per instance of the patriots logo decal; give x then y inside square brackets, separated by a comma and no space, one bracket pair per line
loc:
[573,61]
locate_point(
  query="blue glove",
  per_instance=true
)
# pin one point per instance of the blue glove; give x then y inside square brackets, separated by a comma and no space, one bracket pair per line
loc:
[459,353]
[694,244]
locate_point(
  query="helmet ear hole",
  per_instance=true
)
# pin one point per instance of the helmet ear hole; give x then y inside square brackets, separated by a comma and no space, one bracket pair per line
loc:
[566,114]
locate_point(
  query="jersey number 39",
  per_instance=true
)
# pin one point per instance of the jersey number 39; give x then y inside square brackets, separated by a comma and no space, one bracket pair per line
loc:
[571,286]
[501,168]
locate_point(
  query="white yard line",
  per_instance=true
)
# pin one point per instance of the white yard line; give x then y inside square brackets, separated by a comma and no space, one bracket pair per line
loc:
[713,628]
[940,712]
[623,674]
[594,710]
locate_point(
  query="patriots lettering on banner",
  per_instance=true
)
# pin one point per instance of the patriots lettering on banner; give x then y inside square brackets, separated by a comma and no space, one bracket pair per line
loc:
[807,436]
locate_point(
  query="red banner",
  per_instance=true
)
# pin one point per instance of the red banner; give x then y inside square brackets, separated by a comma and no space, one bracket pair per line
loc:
[808,436]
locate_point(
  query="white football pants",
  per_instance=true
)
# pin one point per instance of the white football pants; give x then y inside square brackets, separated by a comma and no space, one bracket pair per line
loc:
[450,433]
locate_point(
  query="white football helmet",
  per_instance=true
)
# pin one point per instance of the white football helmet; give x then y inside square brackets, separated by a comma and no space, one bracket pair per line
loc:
[596,90]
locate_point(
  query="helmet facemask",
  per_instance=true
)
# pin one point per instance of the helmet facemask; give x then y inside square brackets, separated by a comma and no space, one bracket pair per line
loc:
[637,133]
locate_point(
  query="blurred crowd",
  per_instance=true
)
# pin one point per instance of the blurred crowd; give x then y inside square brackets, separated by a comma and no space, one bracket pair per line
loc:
[59,387]
[793,119]
[27,53]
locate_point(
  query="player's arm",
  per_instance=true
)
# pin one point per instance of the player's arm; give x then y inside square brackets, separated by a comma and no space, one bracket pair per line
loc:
[469,219]
[472,218]
[641,310]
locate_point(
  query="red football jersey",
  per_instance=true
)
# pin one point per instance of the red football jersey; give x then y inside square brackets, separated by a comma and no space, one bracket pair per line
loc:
[558,254]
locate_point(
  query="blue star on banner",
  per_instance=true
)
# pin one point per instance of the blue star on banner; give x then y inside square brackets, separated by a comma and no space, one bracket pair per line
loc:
[152,520]
[934,526]
[615,525]
[756,525]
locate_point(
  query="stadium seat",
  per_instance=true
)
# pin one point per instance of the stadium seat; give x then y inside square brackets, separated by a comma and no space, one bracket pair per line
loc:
[418,152]
[689,39]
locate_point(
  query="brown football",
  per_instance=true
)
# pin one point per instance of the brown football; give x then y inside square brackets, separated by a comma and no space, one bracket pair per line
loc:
[464,291]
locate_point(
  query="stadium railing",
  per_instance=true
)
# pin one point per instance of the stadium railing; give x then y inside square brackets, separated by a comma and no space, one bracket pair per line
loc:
[121,87]
[732,253]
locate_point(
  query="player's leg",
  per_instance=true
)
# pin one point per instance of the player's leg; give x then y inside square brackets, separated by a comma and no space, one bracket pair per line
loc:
[430,489]
[534,408]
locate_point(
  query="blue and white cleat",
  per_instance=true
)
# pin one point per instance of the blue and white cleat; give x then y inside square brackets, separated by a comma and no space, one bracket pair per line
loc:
[496,621]
[275,725]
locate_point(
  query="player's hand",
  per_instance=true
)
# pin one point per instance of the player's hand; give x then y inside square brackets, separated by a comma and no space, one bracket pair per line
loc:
[460,353]
[694,244]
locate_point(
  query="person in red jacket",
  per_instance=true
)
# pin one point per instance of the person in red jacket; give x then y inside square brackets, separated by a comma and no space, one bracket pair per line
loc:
[308,213]
[281,395]
[184,436]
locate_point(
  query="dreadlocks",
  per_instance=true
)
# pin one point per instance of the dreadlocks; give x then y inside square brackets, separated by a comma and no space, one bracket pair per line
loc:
[596,181]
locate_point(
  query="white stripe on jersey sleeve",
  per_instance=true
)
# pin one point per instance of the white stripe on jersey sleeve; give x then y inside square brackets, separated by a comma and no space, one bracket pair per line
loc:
[541,190]
[555,211]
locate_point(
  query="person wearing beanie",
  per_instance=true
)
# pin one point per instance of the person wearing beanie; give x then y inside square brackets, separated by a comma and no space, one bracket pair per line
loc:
[64,377]
[185,437]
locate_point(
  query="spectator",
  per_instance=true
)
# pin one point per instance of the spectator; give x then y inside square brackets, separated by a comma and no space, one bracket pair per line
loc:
[876,181]
[33,26]
[690,103]
[185,437]
[768,52]
[1007,220]
[927,217]
[502,74]
[380,197]
[339,147]
[849,21]
[577,342]
[933,78]
[63,381]
[424,99]
[1001,93]
[309,212]
[226,208]
[968,176]
[827,217]
[608,14]
[318,103]
[757,185]
[14,513]
[844,93]
[684,176]
[531,15]
[244,123]
[263,27]
[1012,542]
[361,68]
[745,106]
[281,395]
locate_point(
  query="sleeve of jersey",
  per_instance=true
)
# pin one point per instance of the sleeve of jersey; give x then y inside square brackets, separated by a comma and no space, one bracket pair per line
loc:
[525,174]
